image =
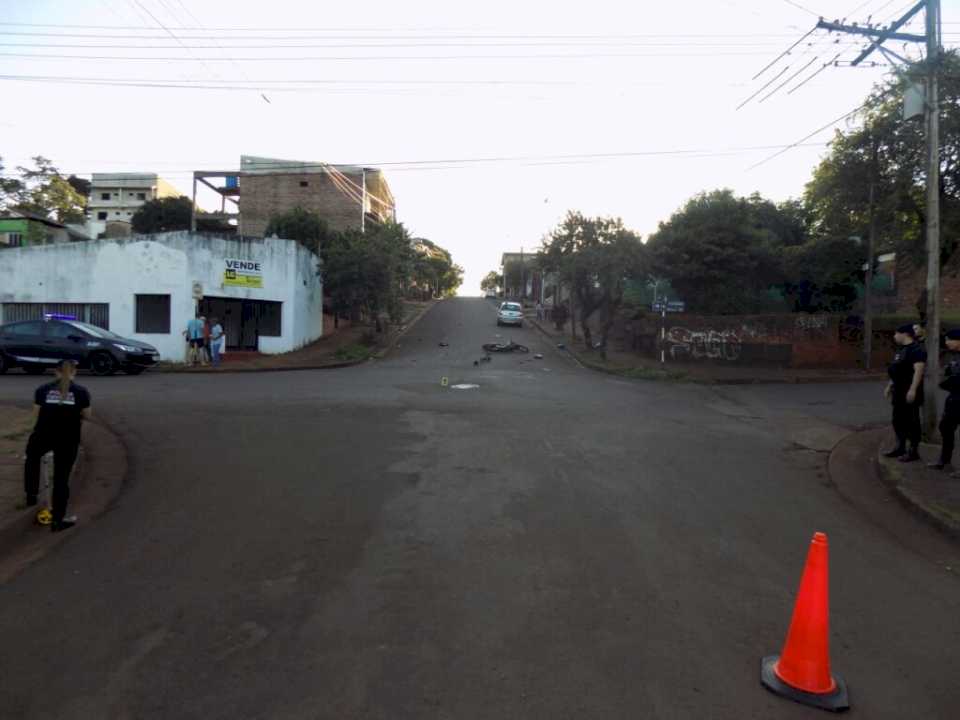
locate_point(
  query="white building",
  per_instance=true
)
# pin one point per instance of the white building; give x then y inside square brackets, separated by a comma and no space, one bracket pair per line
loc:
[266,291]
[116,197]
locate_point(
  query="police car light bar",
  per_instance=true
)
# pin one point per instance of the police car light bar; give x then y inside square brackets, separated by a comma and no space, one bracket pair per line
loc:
[58,316]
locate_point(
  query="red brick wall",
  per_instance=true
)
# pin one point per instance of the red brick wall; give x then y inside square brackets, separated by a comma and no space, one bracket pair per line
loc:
[791,340]
[262,196]
[911,281]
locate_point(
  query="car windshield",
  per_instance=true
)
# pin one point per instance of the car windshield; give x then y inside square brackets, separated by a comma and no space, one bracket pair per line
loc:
[94,330]
[510,306]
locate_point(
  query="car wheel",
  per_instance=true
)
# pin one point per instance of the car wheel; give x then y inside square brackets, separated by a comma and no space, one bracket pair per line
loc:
[134,369]
[34,369]
[4,364]
[102,363]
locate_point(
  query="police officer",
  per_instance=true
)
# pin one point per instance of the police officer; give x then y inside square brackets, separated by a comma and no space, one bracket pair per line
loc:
[951,408]
[59,408]
[905,391]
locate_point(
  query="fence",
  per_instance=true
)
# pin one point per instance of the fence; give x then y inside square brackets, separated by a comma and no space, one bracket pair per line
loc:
[93,313]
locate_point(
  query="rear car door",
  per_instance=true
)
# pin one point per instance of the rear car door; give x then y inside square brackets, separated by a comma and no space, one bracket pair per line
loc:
[24,342]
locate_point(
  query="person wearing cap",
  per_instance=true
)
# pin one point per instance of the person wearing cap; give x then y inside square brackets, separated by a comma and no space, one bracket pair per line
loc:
[905,391]
[60,408]
[951,408]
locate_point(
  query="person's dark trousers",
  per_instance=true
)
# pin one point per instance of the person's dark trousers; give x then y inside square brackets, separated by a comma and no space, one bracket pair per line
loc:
[906,423]
[948,427]
[64,455]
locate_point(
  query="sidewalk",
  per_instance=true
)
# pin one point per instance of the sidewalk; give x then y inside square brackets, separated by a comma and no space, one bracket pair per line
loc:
[934,494]
[630,364]
[342,349]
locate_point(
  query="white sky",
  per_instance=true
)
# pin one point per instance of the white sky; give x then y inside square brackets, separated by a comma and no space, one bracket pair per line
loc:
[680,71]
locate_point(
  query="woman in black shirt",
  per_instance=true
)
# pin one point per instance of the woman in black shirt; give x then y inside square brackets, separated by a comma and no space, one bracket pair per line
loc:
[59,407]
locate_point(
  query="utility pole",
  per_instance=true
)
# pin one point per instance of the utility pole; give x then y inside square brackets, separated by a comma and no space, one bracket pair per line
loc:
[931,115]
[871,249]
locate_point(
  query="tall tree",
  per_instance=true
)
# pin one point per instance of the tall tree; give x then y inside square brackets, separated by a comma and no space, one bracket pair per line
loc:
[491,281]
[837,195]
[595,257]
[719,252]
[43,191]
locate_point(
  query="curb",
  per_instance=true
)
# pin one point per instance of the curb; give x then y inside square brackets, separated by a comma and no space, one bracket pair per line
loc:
[892,478]
[379,355]
[97,480]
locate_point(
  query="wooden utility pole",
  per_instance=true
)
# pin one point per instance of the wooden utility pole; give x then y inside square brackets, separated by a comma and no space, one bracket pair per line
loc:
[871,249]
[931,117]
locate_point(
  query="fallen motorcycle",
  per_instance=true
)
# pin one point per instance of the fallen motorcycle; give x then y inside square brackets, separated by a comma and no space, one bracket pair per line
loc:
[510,346]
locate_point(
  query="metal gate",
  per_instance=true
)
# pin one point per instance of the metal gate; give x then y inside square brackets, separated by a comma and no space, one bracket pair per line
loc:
[94,313]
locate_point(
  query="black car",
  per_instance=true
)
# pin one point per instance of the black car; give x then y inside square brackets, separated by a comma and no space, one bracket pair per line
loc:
[36,345]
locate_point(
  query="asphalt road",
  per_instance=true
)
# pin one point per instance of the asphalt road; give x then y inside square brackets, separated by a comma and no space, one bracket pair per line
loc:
[365,543]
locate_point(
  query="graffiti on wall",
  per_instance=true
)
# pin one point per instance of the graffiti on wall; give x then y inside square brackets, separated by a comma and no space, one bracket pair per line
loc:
[703,344]
[812,322]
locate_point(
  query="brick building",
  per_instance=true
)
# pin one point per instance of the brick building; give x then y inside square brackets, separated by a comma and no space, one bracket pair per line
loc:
[345,196]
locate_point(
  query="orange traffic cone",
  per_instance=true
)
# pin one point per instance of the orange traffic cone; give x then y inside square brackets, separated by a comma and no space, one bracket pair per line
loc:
[802,671]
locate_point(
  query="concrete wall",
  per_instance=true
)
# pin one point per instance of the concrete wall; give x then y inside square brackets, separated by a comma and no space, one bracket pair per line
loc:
[114,271]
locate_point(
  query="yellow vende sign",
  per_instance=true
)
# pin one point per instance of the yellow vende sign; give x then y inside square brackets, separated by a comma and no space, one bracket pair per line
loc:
[243,273]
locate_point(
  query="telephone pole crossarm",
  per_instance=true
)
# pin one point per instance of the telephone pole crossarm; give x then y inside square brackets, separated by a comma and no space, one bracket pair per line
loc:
[881,35]
[891,29]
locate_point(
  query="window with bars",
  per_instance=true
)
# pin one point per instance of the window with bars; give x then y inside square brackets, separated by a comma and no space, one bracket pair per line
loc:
[93,313]
[153,314]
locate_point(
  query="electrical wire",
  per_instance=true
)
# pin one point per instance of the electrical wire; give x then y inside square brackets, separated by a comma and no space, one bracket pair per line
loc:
[807,137]
[801,7]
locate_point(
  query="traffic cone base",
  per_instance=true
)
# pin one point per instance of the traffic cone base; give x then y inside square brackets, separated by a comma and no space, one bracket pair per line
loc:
[837,700]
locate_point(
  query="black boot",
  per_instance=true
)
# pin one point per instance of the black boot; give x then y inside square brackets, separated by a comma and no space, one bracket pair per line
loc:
[911,456]
[30,501]
[59,525]
[938,465]
[896,452]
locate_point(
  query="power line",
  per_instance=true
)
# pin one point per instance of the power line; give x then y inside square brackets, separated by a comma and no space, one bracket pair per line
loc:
[263,168]
[807,137]
[774,91]
[801,7]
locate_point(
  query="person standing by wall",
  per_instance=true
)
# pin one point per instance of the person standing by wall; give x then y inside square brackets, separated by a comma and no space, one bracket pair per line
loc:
[194,336]
[60,408]
[205,353]
[905,391]
[216,339]
[951,408]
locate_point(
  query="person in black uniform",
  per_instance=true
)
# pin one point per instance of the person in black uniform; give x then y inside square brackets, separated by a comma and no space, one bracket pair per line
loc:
[905,391]
[951,408]
[59,407]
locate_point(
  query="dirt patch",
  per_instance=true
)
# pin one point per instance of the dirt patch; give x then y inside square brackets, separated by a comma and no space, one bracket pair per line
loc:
[15,426]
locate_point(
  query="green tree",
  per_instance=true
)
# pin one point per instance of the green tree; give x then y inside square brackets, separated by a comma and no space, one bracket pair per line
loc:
[595,257]
[721,252]
[304,226]
[163,215]
[491,281]
[889,151]
[42,190]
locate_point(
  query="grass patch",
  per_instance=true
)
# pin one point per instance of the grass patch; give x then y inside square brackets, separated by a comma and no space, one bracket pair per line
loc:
[349,353]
